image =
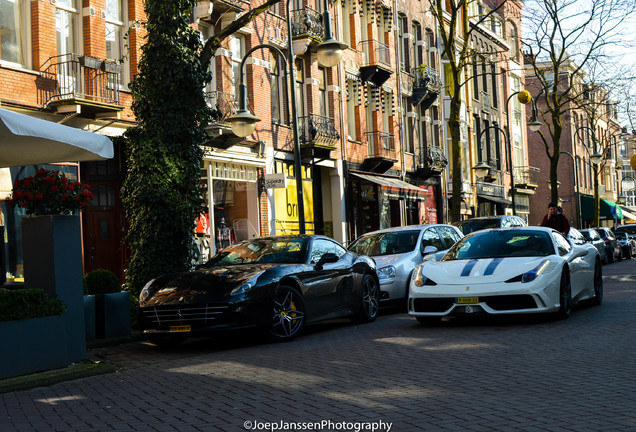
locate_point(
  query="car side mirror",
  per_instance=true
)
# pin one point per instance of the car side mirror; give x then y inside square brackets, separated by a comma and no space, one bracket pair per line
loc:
[327,258]
[427,250]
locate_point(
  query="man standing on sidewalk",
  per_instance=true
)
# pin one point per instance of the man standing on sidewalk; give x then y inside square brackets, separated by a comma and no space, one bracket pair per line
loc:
[556,220]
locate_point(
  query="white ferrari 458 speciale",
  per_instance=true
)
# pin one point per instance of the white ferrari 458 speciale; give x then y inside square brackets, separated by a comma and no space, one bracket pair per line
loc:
[507,271]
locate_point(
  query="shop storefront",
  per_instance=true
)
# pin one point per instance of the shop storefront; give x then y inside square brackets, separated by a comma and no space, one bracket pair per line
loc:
[377,202]
[232,214]
[285,200]
[490,200]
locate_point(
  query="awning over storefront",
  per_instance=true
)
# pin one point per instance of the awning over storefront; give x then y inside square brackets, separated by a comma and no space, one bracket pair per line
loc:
[26,140]
[392,184]
[608,210]
[497,200]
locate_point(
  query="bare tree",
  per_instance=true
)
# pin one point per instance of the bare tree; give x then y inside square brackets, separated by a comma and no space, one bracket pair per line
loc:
[565,39]
[456,25]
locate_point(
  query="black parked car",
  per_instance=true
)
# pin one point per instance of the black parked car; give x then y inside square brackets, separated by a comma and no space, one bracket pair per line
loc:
[612,245]
[276,284]
[594,238]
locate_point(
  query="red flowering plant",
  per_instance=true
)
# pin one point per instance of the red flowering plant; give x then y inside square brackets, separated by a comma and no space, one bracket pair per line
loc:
[49,193]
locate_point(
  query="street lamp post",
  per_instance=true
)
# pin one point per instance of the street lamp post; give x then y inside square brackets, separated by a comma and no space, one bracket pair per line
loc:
[534,124]
[329,53]
[577,192]
[595,158]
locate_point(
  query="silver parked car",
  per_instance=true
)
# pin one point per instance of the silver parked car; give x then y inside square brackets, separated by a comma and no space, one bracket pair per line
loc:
[579,238]
[594,238]
[397,251]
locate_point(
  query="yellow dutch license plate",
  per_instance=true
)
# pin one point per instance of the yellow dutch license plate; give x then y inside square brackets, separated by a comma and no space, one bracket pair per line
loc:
[180,329]
[467,300]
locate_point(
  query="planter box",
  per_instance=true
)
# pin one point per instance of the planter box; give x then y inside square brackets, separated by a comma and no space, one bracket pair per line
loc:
[112,315]
[33,345]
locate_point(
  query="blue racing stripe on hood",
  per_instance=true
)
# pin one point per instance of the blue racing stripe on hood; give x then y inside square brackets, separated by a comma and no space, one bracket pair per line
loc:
[469,267]
[492,266]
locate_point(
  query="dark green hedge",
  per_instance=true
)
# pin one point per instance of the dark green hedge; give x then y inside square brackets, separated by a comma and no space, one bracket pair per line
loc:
[20,304]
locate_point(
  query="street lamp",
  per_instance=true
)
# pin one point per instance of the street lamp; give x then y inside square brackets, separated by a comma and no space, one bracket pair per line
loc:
[329,53]
[523,96]
[577,191]
[481,169]
[596,159]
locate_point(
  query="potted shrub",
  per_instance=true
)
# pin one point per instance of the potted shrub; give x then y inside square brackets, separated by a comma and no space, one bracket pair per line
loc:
[51,239]
[111,305]
[32,332]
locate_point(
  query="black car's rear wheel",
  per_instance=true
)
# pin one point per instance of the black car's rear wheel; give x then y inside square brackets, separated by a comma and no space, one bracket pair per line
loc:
[289,314]
[369,300]
[598,284]
[565,295]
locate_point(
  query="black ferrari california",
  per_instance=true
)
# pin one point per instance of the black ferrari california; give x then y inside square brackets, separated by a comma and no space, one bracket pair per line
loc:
[276,284]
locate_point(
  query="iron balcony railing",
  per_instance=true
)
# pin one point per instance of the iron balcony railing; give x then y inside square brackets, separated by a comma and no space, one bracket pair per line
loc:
[223,105]
[427,77]
[308,22]
[317,129]
[380,144]
[375,52]
[71,76]
[526,176]
[433,158]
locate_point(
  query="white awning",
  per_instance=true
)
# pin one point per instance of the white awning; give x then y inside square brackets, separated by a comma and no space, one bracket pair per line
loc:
[627,215]
[390,183]
[26,140]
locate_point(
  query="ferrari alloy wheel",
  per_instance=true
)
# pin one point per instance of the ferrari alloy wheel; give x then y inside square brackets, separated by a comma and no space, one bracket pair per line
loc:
[565,295]
[370,300]
[289,314]
[598,284]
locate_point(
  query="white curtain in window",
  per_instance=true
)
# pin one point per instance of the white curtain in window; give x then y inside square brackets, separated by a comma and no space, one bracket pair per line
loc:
[12,31]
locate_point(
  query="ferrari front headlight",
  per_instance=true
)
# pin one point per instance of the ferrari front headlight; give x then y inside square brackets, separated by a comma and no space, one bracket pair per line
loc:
[419,279]
[531,275]
[247,285]
[145,291]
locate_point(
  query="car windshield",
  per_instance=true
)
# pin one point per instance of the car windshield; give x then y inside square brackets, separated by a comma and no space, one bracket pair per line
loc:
[501,244]
[283,251]
[386,243]
[621,235]
[602,233]
[478,224]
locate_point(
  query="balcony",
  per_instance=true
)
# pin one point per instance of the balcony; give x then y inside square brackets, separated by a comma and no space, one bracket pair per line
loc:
[382,155]
[432,162]
[318,136]
[376,62]
[219,129]
[307,23]
[211,10]
[427,86]
[79,84]
[526,177]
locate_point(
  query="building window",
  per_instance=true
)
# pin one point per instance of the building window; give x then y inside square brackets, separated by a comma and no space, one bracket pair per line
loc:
[495,84]
[114,30]
[480,147]
[403,43]
[418,45]
[475,79]
[237,49]
[322,92]
[353,98]
[300,94]
[66,26]
[432,48]
[277,90]
[512,40]
[408,124]
[14,31]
